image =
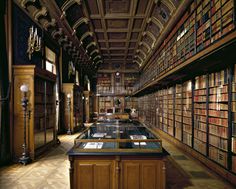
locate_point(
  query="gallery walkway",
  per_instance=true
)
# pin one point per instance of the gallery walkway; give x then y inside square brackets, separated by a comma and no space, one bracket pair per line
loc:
[52,171]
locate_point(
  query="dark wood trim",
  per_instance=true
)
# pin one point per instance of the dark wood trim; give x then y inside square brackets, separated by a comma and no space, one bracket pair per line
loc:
[230,117]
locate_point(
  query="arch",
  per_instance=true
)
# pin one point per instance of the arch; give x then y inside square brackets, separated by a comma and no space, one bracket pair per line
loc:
[79,22]
[86,34]
[170,5]
[136,61]
[94,51]
[68,4]
[100,61]
[157,22]
[90,45]
[137,56]
[148,33]
[145,44]
[141,51]
[98,56]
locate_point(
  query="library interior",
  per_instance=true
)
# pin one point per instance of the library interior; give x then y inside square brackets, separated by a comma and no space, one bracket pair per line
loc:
[118,94]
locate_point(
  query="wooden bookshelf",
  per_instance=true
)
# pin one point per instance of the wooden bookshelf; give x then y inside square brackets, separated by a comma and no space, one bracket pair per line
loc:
[165,110]
[178,112]
[200,114]
[41,124]
[187,113]
[202,25]
[218,116]
[170,98]
[159,110]
[233,109]
[104,83]
[105,104]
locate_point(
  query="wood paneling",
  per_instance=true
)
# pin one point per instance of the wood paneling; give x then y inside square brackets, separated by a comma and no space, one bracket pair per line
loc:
[97,174]
[41,97]
[117,172]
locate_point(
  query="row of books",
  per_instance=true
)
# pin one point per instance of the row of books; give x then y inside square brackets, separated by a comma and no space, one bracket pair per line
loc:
[201,25]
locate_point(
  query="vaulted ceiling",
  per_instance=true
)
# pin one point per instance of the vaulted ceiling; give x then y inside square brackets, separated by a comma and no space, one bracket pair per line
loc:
[108,34]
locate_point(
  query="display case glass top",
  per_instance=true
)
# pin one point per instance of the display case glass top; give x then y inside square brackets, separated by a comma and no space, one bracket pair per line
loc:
[116,137]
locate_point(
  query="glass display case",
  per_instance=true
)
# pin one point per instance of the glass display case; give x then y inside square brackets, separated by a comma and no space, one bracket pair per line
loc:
[118,153]
[118,137]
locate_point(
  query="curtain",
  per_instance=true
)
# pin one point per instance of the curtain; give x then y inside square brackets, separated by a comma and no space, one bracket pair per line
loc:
[4,84]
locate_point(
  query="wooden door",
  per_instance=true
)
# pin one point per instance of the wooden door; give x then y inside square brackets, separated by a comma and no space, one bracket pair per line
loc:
[143,174]
[94,174]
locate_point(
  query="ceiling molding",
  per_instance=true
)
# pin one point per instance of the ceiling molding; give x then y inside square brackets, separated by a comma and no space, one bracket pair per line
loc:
[48,24]
[63,39]
[24,2]
[56,33]
[39,12]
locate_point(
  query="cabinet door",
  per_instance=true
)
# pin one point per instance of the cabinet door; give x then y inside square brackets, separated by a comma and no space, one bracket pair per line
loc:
[145,174]
[93,174]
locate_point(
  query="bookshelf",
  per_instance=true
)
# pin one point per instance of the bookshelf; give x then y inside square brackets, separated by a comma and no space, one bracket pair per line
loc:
[129,81]
[171,98]
[200,114]
[41,125]
[233,108]
[165,110]
[105,104]
[178,112]
[104,83]
[187,113]
[159,109]
[204,23]
[218,116]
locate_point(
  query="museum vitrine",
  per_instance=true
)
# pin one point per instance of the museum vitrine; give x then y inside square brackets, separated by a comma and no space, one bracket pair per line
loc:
[116,154]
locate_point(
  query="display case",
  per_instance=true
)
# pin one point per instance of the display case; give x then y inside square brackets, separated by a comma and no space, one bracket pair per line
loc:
[117,154]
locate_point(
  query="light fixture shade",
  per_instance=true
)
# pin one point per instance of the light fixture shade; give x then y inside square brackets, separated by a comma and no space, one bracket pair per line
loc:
[68,95]
[24,88]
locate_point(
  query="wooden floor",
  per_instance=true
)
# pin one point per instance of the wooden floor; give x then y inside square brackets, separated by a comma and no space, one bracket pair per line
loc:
[52,171]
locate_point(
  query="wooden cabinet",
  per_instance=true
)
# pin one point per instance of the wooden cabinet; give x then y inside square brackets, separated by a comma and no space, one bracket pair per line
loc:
[113,155]
[41,132]
[94,173]
[76,107]
[145,173]
[117,172]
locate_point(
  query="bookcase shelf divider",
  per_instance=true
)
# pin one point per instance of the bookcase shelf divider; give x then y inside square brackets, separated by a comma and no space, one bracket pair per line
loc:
[207,114]
[230,120]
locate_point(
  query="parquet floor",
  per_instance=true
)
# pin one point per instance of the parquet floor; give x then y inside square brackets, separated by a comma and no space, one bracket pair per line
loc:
[52,171]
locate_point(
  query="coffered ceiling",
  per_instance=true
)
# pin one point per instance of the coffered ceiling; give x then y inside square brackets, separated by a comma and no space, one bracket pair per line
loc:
[124,32]
[108,34]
